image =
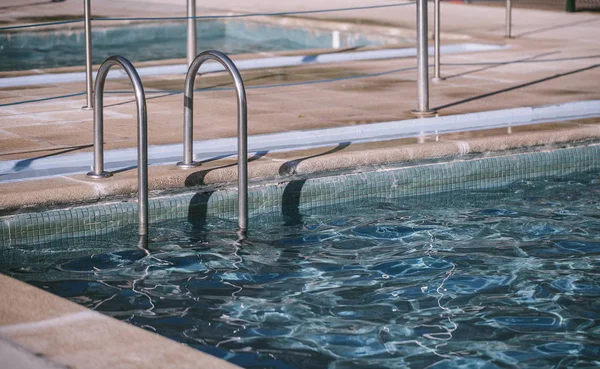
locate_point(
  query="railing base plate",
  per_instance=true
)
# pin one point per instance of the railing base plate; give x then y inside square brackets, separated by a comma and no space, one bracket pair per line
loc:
[99,175]
[422,114]
[191,165]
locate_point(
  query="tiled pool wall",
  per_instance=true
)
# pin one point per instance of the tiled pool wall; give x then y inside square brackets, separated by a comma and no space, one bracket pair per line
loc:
[273,202]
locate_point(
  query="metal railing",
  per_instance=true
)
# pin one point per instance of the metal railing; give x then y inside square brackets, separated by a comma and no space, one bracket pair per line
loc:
[422,50]
[191,29]
[98,171]
[242,132]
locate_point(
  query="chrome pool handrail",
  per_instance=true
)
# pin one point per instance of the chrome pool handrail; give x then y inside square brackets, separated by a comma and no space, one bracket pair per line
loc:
[242,119]
[142,134]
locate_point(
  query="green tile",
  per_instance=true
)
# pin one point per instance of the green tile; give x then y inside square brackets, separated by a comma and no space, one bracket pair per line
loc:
[327,193]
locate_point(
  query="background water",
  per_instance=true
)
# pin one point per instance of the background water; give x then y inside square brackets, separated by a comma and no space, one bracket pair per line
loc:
[459,280]
[142,42]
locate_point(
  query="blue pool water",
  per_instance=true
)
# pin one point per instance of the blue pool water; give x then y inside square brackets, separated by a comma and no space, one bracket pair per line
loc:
[29,50]
[458,280]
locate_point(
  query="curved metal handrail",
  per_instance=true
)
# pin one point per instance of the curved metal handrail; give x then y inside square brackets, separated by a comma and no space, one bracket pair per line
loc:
[242,135]
[142,134]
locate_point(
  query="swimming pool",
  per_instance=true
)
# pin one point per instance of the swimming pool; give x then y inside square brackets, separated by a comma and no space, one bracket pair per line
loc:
[143,42]
[481,263]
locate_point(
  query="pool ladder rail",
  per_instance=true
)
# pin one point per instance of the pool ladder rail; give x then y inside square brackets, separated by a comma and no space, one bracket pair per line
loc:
[242,130]
[98,171]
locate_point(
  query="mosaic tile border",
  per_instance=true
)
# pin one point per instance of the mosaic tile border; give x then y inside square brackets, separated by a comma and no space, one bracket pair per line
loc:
[278,200]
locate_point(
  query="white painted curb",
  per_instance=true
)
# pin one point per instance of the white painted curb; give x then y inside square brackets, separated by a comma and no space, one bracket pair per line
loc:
[17,170]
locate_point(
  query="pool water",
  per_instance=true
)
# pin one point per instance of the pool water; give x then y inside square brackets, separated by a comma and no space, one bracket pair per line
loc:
[459,280]
[143,42]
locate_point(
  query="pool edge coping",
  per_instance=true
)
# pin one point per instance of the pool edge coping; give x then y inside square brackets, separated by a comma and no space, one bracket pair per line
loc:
[78,189]
[48,326]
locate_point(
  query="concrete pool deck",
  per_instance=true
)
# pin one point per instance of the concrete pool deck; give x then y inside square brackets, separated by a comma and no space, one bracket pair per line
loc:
[543,65]
[43,331]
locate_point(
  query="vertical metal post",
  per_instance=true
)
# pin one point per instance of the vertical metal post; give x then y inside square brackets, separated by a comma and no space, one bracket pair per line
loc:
[436,21]
[570,6]
[422,61]
[191,31]
[507,34]
[88,54]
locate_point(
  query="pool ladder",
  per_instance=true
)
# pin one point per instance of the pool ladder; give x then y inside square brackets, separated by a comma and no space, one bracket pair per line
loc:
[98,171]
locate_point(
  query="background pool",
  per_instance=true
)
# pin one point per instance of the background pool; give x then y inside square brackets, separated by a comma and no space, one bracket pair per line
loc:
[142,42]
[464,279]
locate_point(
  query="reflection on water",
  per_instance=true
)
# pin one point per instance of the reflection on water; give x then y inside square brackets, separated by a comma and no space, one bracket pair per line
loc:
[477,280]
